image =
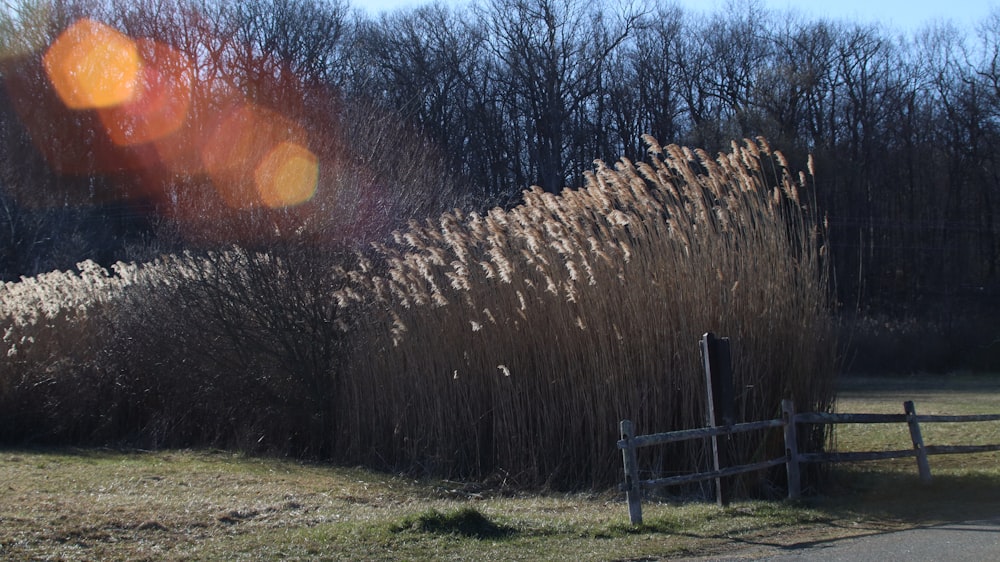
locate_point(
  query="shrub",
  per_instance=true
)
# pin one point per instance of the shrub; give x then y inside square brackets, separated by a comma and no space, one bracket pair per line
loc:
[238,349]
[466,522]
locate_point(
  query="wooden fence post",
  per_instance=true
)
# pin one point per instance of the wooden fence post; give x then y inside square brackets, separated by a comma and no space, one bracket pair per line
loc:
[791,450]
[717,359]
[923,465]
[632,487]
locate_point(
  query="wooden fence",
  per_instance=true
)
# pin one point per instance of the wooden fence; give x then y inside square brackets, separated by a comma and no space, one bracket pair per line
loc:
[789,422]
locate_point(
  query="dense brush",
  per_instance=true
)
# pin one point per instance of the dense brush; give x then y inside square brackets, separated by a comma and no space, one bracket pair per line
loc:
[507,344]
[513,342]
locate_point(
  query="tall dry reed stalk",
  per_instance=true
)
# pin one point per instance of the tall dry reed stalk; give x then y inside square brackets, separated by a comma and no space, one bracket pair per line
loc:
[511,343]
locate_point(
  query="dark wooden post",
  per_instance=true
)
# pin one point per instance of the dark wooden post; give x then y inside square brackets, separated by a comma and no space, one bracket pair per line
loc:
[632,488]
[791,450]
[923,465]
[717,359]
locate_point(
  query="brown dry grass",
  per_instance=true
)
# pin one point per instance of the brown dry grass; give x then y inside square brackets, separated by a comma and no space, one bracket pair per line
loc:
[500,347]
[511,343]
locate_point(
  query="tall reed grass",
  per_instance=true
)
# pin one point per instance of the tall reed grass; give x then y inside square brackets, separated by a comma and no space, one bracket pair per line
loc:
[502,345]
[512,342]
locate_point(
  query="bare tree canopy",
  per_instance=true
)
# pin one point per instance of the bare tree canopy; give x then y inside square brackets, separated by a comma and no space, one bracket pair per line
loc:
[440,106]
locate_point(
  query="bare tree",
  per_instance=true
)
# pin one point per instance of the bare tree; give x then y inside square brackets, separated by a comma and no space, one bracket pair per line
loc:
[552,52]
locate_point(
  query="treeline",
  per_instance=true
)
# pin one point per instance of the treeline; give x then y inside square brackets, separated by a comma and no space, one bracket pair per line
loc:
[905,129]
[440,106]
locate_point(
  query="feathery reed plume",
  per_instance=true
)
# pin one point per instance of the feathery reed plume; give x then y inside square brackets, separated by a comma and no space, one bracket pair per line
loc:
[470,345]
[595,298]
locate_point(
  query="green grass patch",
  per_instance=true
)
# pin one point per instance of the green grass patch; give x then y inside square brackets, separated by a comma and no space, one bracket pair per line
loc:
[466,522]
[78,504]
[961,394]
[174,505]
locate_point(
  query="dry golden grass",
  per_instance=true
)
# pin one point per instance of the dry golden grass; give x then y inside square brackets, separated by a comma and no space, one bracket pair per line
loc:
[511,343]
[501,346]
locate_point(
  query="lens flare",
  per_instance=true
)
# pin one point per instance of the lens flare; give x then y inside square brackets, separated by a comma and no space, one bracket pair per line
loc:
[161,101]
[243,154]
[93,66]
[287,176]
[135,110]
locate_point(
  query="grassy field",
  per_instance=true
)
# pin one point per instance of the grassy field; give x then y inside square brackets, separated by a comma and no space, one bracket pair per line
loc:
[964,486]
[96,504]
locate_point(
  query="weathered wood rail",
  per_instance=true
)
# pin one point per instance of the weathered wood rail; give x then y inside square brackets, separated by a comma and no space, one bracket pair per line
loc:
[633,486]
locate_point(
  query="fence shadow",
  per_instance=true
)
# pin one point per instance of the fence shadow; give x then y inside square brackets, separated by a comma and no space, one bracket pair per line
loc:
[862,500]
[899,495]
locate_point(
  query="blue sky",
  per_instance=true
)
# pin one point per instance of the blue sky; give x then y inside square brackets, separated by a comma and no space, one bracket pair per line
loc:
[905,15]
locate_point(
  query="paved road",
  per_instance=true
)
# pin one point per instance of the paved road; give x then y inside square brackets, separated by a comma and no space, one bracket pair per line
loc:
[973,541]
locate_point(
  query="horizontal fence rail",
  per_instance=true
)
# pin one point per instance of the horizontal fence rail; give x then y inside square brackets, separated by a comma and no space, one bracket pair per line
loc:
[633,486]
[688,434]
[890,418]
